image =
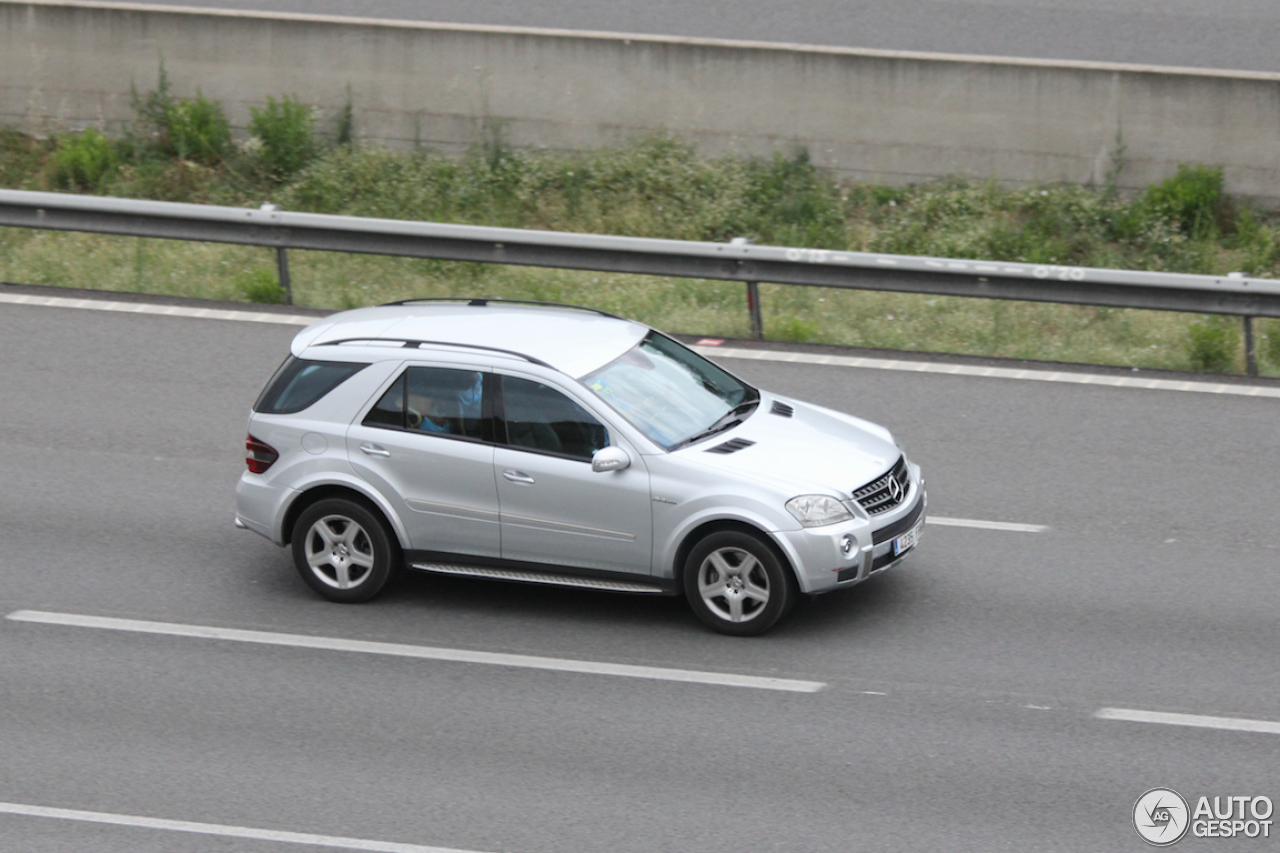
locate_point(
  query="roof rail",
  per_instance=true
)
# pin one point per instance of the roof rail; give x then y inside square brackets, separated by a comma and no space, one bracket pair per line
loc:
[410,343]
[482,301]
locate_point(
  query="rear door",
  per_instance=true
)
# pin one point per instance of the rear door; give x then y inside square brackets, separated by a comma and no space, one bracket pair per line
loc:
[427,445]
[555,509]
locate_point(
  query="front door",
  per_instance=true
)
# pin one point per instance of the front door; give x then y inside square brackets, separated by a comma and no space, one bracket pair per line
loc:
[555,509]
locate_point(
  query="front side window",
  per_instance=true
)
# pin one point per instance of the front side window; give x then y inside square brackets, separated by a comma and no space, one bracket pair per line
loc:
[539,417]
[299,383]
[439,400]
[668,392]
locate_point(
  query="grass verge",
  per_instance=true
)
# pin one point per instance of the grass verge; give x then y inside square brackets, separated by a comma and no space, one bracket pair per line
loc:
[1145,339]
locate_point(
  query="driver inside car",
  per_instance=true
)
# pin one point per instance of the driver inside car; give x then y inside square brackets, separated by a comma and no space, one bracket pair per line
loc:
[437,407]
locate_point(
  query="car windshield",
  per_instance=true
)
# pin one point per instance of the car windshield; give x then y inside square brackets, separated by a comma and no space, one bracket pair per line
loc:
[671,394]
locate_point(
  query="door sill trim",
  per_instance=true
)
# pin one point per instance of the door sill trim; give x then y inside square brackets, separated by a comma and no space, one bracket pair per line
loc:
[538,577]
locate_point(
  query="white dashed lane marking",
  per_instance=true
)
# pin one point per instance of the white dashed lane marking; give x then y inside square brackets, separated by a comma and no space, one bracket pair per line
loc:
[163,310]
[223,830]
[1199,721]
[1008,526]
[335,644]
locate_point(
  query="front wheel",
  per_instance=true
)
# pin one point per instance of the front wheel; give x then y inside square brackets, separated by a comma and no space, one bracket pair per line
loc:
[343,551]
[737,585]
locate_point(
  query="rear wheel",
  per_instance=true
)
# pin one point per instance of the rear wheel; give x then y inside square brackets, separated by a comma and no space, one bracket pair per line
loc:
[736,584]
[343,551]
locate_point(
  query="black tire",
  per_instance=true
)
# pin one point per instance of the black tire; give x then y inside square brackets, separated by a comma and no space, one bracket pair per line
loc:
[343,550]
[736,583]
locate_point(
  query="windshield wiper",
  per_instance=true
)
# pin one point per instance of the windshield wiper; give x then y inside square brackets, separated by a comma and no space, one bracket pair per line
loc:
[731,418]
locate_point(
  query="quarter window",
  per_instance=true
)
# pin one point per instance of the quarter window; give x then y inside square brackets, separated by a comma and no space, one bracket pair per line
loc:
[299,383]
[541,418]
[437,400]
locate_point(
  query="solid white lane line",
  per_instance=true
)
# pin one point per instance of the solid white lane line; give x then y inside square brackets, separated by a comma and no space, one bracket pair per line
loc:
[223,830]
[303,641]
[1149,383]
[718,352]
[165,310]
[1013,527]
[1235,724]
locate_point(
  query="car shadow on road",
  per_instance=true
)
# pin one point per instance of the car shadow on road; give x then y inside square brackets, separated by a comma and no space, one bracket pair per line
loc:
[873,606]
[885,603]
[484,598]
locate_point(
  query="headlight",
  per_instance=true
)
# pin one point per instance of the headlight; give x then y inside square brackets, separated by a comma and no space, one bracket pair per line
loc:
[817,510]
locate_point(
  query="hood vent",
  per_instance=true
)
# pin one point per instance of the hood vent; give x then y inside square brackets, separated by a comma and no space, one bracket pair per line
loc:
[782,409]
[731,446]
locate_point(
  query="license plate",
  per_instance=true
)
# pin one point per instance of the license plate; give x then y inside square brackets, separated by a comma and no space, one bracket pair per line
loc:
[908,540]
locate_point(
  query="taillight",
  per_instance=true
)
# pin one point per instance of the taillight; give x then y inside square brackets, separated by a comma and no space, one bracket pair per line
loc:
[260,456]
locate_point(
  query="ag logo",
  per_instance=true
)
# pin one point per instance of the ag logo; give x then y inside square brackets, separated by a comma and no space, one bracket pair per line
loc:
[1161,817]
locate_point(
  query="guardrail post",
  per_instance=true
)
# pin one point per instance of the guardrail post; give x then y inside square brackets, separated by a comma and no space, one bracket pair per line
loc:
[1250,348]
[753,295]
[282,262]
[282,269]
[753,306]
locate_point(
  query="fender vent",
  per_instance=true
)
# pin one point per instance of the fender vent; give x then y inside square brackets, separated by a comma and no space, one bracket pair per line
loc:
[731,446]
[781,409]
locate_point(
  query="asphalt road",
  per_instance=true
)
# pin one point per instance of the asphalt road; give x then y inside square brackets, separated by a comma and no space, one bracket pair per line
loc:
[1234,34]
[962,686]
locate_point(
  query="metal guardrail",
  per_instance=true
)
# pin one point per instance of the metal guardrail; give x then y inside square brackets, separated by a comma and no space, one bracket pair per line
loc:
[738,260]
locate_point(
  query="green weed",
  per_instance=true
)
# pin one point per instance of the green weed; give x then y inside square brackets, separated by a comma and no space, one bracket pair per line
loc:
[1192,200]
[1269,341]
[189,129]
[345,123]
[1256,244]
[792,328]
[22,158]
[284,131]
[1212,344]
[260,285]
[83,161]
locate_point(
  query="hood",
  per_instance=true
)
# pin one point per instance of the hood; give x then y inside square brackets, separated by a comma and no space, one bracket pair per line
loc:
[815,450]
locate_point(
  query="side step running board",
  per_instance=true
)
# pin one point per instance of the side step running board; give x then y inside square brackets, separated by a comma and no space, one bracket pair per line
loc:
[537,577]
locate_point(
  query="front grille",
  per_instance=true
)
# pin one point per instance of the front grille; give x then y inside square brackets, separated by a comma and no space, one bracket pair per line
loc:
[887,492]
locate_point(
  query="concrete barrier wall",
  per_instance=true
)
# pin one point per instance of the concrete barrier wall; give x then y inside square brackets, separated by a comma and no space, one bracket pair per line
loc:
[871,115]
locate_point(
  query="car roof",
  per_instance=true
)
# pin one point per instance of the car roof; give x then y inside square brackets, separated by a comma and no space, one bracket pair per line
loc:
[570,339]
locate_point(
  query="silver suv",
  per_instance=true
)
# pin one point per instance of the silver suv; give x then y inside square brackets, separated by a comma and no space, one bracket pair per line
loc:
[561,445]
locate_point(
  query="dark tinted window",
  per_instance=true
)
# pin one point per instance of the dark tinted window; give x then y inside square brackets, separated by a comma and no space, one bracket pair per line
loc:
[389,410]
[437,400]
[298,384]
[539,417]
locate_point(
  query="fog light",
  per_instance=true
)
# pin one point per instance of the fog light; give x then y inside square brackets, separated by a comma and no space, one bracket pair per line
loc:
[847,544]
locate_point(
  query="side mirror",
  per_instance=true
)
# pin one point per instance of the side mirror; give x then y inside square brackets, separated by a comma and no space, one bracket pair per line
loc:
[610,459]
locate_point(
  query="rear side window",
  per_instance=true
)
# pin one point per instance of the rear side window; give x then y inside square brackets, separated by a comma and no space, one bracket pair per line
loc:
[437,400]
[299,383]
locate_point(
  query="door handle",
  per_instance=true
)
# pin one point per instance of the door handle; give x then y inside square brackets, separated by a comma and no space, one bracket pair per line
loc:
[374,450]
[518,477]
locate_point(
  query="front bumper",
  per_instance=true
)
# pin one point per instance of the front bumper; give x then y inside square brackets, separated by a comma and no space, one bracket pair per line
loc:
[822,565]
[881,556]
